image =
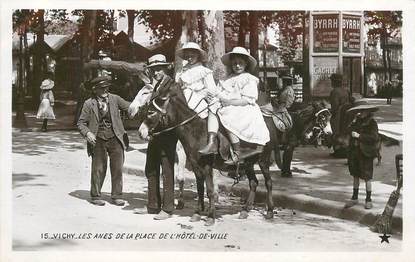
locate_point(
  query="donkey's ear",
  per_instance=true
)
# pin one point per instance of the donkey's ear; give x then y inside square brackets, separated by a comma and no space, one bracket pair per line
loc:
[145,76]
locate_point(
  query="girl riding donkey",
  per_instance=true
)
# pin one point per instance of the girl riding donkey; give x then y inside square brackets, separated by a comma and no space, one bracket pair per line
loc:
[197,83]
[235,106]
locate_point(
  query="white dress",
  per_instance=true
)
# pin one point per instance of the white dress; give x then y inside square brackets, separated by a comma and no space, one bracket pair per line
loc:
[246,122]
[45,110]
[197,80]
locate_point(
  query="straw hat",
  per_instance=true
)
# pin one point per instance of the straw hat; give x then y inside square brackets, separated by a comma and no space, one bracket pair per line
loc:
[47,84]
[157,60]
[361,105]
[192,46]
[226,58]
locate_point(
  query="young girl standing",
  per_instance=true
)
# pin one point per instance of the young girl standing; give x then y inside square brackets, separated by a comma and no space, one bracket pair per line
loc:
[237,110]
[47,101]
[362,150]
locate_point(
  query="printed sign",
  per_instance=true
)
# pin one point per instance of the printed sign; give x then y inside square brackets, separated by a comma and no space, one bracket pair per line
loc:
[351,34]
[326,33]
[323,67]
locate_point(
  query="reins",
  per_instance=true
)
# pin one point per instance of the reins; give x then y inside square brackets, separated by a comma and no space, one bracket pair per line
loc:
[181,123]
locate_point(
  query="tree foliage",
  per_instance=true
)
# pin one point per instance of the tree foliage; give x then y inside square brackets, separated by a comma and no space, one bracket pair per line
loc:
[161,23]
[383,23]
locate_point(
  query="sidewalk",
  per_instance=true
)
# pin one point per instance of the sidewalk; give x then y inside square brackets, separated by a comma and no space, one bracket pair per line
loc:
[320,184]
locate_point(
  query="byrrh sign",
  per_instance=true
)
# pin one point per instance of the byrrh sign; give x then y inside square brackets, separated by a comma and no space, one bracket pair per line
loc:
[351,34]
[326,33]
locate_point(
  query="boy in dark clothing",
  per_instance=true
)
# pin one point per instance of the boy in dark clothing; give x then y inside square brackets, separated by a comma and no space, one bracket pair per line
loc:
[362,150]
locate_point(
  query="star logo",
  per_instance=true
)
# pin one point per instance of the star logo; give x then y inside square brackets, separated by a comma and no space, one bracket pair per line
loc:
[384,238]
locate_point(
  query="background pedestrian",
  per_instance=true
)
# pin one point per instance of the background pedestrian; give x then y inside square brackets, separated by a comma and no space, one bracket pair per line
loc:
[47,101]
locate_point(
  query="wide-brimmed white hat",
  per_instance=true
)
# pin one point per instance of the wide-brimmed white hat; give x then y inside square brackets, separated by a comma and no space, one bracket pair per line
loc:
[226,58]
[157,60]
[192,46]
[47,84]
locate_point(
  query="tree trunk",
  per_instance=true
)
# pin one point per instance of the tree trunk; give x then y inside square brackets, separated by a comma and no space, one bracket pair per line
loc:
[131,15]
[88,45]
[242,28]
[214,44]
[88,42]
[189,33]
[20,120]
[385,62]
[38,59]
[27,68]
[253,34]
[389,63]
[306,67]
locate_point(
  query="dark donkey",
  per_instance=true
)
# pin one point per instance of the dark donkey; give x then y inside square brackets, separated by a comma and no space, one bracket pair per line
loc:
[169,113]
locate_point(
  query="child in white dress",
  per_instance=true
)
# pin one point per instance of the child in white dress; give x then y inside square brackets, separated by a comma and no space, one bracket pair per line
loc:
[47,101]
[237,110]
[197,82]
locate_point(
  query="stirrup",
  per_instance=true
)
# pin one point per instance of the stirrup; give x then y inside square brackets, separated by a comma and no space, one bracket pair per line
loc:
[234,161]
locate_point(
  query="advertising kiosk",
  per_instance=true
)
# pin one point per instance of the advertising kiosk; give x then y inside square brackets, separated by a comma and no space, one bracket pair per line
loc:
[336,46]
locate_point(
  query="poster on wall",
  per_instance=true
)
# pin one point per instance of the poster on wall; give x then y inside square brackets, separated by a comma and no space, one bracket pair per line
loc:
[323,67]
[351,34]
[326,33]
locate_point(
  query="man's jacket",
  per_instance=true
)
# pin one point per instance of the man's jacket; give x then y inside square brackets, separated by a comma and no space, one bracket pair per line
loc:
[89,119]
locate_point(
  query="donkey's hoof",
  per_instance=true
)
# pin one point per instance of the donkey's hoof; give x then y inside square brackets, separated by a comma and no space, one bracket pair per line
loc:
[243,214]
[210,221]
[195,218]
[180,205]
[269,215]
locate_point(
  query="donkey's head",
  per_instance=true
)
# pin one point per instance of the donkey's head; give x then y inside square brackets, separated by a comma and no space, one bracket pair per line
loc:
[158,113]
[319,131]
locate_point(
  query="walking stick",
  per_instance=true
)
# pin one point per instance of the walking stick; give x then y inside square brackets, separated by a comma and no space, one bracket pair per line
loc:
[383,224]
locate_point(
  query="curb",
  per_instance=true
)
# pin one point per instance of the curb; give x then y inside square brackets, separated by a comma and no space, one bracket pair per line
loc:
[300,202]
[314,205]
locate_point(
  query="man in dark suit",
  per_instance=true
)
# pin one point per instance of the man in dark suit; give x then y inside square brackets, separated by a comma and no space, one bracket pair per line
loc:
[161,149]
[101,124]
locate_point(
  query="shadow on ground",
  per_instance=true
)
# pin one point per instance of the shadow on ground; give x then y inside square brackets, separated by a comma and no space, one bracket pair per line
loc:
[38,143]
[139,200]
[24,179]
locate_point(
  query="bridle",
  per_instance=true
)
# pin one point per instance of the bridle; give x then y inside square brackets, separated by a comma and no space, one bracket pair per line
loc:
[164,118]
[319,123]
[320,118]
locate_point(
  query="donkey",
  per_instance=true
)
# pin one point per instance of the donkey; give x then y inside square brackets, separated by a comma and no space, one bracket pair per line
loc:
[170,113]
